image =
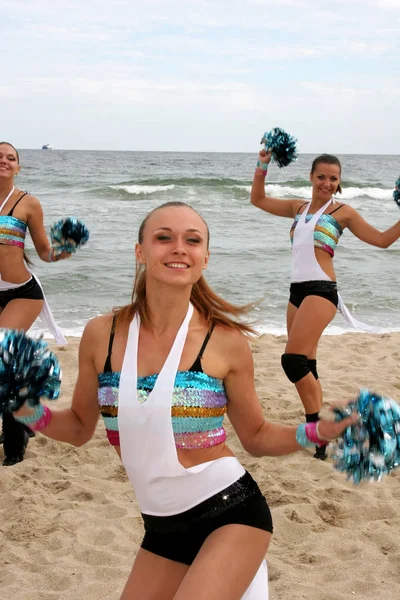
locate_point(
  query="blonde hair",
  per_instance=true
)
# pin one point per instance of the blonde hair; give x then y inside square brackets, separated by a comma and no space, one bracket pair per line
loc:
[212,307]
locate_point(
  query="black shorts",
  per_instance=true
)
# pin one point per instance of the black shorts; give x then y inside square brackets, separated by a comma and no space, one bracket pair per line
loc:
[324,289]
[180,537]
[31,290]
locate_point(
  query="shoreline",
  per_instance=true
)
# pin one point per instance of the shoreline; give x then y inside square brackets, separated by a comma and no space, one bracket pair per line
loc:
[274,332]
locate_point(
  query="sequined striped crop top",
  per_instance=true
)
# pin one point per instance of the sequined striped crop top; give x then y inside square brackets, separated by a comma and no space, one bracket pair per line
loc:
[327,231]
[13,230]
[198,403]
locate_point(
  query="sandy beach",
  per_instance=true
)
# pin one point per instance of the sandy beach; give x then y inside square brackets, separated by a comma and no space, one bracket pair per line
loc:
[70,525]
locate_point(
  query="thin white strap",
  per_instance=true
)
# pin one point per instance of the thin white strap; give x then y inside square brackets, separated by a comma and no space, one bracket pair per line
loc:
[303,214]
[325,207]
[6,200]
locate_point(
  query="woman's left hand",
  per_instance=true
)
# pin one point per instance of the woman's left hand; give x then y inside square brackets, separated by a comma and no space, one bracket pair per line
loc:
[26,410]
[330,430]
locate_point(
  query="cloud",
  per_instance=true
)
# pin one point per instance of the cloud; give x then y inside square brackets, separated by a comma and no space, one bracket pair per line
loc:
[10,91]
[233,64]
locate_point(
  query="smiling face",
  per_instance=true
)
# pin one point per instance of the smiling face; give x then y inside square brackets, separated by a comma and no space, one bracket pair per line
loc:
[325,180]
[9,163]
[174,246]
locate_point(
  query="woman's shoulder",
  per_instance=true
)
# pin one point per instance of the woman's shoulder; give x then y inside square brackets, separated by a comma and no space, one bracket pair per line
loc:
[26,197]
[299,206]
[342,213]
[230,340]
[27,201]
[98,327]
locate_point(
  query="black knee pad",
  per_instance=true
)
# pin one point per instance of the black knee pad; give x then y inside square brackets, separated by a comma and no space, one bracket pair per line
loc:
[312,363]
[295,366]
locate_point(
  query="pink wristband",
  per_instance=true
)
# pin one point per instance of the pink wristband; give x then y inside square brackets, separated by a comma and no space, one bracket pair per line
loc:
[312,435]
[43,421]
[259,171]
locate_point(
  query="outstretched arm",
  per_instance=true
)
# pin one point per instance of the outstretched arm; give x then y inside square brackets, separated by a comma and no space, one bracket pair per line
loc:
[76,425]
[257,435]
[274,206]
[38,233]
[369,234]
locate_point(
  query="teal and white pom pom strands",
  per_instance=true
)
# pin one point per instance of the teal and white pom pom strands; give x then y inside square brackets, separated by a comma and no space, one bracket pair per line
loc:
[281,145]
[396,193]
[369,449]
[67,235]
[28,371]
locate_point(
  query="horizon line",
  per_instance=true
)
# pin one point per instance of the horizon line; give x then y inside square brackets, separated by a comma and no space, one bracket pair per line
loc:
[20,149]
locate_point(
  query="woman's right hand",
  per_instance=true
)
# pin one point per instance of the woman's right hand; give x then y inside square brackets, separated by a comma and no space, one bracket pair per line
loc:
[265,156]
[62,256]
[55,256]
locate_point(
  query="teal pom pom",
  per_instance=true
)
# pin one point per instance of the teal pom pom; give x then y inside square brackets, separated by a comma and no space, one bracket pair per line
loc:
[396,193]
[28,371]
[281,145]
[370,448]
[67,235]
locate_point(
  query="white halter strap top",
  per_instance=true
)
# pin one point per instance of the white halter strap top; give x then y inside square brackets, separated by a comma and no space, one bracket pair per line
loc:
[163,486]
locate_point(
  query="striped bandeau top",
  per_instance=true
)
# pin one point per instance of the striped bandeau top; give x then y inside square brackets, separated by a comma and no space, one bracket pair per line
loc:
[197,411]
[327,232]
[12,231]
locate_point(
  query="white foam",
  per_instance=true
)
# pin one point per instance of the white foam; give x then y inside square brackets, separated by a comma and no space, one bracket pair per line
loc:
[370,192]
[142,189]
[283,191]
[75,332]
[330,330]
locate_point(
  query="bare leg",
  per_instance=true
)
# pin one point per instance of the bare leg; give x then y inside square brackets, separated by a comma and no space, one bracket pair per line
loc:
[306,328]
[20,313]
[291,313]
[153,578]
[299,330]
[313,356]
[290,317]
[226,565]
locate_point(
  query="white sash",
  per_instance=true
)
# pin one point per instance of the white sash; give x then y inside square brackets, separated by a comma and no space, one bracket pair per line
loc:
[46,316]
[163,486]
[305,266]
[6,200]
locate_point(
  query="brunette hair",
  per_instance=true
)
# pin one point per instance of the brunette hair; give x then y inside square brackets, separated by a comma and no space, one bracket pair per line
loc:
[327,159]
[212,307]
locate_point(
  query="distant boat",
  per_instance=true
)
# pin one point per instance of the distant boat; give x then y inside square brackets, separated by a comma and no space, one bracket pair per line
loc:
[47,147]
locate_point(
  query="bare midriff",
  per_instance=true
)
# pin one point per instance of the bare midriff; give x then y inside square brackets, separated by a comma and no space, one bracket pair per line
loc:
[12,266]
[325,262]
[193,457]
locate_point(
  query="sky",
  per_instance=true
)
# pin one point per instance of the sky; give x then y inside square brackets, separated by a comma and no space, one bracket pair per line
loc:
[201,75]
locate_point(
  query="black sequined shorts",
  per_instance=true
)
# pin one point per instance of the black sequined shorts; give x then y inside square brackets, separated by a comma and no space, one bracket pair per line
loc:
[180,537]
[31,290]
[324,289]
